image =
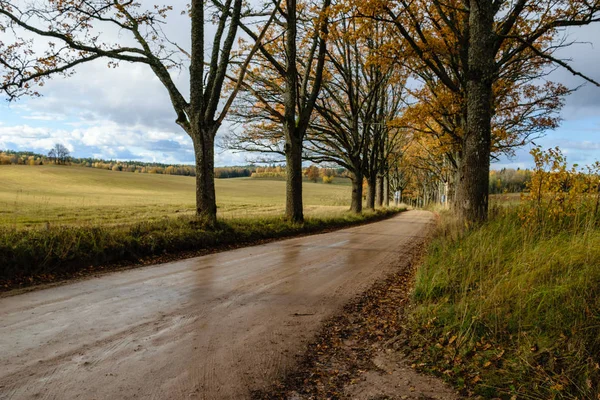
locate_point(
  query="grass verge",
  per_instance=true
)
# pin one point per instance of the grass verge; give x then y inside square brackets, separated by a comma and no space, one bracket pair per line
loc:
[510,311]
[41,255]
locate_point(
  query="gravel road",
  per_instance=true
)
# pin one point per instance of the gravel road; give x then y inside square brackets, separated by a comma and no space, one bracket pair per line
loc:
[212,327]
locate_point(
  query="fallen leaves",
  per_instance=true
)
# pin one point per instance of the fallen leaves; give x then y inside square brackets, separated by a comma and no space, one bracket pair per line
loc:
[346,345]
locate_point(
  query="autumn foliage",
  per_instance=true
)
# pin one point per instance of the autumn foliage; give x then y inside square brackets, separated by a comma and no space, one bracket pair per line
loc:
[560,196]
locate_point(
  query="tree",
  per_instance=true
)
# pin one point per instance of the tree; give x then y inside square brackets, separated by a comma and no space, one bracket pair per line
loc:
[74,31]
[59,154]
[285,82]
[487,38]
[358,83]
[347,126]
[523,111]
[313,173]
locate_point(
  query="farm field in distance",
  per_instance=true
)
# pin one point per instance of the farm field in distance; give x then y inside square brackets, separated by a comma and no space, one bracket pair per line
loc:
[506,199]
[36,195]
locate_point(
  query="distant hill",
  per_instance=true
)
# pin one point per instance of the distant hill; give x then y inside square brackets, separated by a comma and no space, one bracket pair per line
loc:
[506,180]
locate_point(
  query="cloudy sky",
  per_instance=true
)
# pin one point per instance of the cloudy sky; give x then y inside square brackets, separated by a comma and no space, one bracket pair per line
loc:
[125,113]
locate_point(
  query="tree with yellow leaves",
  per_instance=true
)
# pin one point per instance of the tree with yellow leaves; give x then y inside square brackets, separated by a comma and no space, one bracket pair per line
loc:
[469,46]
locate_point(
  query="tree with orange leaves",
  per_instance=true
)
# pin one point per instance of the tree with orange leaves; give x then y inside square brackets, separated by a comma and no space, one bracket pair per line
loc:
[362,92]
[468,46]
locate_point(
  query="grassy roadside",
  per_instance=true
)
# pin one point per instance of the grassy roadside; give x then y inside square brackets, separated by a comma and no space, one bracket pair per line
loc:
[511,309]
[41,255]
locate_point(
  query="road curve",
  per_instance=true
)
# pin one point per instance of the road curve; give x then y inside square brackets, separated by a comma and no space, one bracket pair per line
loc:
[212,327]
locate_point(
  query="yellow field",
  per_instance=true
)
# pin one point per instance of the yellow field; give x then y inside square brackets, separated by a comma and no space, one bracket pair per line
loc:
[33,195]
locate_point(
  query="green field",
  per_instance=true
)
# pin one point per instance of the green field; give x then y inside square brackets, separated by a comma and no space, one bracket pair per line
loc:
[35,195]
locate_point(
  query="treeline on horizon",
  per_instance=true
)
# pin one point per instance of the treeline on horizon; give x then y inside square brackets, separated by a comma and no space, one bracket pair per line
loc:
[505,180]
[9,157]
[312,173]
[509,180]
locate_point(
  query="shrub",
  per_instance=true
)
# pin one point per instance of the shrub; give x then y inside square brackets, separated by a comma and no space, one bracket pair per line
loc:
[312,173]
[560,197]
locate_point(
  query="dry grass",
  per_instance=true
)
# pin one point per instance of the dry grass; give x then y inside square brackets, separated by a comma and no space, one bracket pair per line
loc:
[509,310]
[57,222]
[35,195]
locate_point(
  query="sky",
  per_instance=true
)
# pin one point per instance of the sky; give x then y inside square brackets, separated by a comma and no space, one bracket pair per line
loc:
[579,133]
[125,113]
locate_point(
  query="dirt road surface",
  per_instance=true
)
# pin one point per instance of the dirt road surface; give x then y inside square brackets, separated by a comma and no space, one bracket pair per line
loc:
[212,327]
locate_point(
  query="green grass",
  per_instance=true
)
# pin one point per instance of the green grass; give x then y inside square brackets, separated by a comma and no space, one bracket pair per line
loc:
[508,310]
[34,195]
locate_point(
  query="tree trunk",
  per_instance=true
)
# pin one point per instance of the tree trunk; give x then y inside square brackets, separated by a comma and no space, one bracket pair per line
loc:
[204,151]
[455,183]
[386,190]
[379,191]
[293,186]
[293,135]
[474,171]
[371,184]
[357,189]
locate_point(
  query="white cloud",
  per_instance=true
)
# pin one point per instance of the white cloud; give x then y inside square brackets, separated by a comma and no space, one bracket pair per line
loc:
[107,139]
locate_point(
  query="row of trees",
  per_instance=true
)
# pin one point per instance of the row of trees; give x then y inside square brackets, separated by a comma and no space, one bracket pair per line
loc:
[361,94]
[24,158]
[427,90]
[312,173]
[506,180]
[59,154]
[509,180]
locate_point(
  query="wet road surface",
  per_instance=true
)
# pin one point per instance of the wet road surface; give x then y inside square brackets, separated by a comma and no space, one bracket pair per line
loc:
[212,327]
